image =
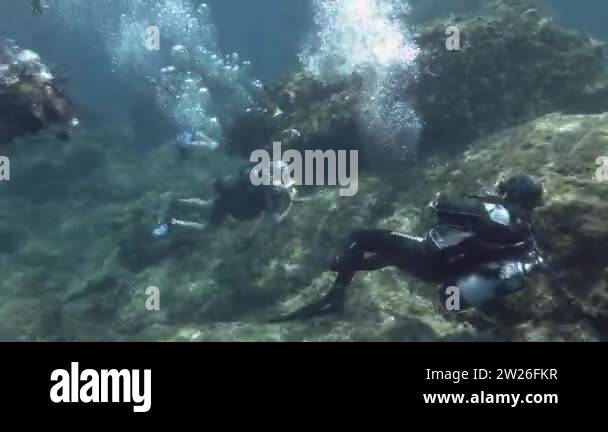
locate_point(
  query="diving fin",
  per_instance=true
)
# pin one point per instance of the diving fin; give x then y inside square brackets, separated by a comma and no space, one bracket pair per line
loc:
[317,309]
[331,303]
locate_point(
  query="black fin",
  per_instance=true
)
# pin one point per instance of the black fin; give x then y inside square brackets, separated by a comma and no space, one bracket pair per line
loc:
[331,303]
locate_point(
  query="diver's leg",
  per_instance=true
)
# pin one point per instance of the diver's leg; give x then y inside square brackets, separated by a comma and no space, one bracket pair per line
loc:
[374,262]
[371,250]
[367,250]
[189,225]
[335,299]
[388,248]
[196,202]
[170,204]
[169,209]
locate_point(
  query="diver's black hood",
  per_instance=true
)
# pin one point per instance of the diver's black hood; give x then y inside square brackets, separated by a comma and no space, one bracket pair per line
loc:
[524,191]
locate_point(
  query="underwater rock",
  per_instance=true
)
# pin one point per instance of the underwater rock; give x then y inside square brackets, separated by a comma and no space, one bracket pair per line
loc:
[224,284]
[569,303]
[302,113]
[514,64]
[511,67]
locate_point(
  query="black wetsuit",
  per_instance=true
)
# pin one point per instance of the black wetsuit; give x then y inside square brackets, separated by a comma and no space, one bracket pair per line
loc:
[238,197]
[17,119]
[483,246]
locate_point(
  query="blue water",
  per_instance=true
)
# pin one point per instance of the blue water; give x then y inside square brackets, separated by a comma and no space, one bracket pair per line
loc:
[270,33]
[214,62]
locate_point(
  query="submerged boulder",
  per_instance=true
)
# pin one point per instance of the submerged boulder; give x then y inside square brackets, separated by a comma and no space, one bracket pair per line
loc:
[303,113]
[511,66]
[224,284]
[246,273]
[514,63]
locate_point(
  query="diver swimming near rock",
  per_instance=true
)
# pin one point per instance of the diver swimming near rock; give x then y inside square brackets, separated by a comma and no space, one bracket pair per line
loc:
[480,247]
[236,197]
[31,98]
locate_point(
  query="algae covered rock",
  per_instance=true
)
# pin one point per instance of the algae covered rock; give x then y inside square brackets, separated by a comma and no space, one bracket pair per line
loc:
[303,113]
[509,67]
[512,64]
[225,284]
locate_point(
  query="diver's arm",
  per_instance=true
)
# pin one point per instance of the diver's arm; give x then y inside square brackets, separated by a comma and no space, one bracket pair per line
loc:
[368,250]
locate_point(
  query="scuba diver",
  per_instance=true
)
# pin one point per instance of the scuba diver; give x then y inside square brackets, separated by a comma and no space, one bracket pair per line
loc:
[480,248]
[236,197]
[31,97]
